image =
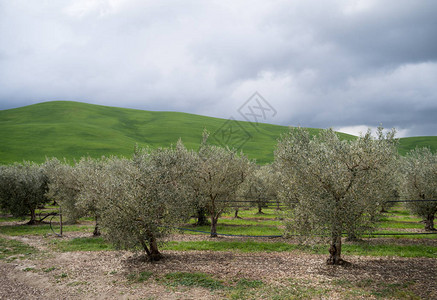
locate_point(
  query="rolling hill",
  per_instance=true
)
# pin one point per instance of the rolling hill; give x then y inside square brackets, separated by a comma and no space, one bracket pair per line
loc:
[73,129]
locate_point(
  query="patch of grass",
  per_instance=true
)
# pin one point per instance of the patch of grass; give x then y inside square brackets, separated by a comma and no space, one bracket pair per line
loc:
[401,224]
[378,289]
[251,222]
[39,229]
[246,283]
[82,244]
[29,269]
[9,218]
[192,280]
[47,270]
[242,246]
[347,249]
[258,230]
[252,213]
[11,250]
[139,277]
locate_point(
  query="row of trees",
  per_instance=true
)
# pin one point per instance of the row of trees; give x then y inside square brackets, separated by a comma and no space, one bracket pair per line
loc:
[331,187]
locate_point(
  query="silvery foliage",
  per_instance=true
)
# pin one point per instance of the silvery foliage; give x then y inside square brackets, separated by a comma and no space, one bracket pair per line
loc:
[73,187]
[22,188]
[91,175]
[64,187]
[141,199]
[420,183]
[219,173]
[334,186]
[260,186]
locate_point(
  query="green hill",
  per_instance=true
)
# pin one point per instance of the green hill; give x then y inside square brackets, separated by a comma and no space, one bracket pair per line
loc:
[73,129]
[409,143]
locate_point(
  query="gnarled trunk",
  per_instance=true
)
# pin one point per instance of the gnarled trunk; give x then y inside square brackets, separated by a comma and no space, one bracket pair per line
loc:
[152,251]
[155,255]
[32,217]
[429,223]
[202,220]
[214,226]
[96,231]
[236,214]
[335,252]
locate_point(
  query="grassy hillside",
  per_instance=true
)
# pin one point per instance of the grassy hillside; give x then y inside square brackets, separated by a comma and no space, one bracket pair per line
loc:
[73,129]
[409,143]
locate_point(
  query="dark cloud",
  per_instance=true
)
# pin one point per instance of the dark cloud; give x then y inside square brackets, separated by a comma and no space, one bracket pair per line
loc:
[342,64]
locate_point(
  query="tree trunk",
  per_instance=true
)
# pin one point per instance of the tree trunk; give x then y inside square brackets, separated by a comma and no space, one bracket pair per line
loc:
[155,255]
[213,226]
[236,214]
[32,217]
[96,231]
[260,212]
[335,252]
[429,223]
[202,220]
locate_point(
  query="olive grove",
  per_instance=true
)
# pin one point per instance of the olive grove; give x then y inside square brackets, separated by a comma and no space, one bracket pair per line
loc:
[420,183]
[336,186]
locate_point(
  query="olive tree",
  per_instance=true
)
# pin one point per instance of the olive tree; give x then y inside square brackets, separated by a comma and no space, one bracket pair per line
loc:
[420,183]
[259,187]
[22,189]
[218,174]
[337,186]
[64,187]
[145,197]
[73,188]
[91,176]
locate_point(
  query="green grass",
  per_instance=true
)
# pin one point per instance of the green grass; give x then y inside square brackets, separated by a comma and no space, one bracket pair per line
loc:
[192,280]
[41,229]
[379,289]
[409,143]
[139,277]
[348,249]
[11,250]
[252,213]
[256,230]
[73,129]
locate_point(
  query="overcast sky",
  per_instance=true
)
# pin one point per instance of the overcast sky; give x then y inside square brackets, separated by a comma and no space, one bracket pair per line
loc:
[343,64]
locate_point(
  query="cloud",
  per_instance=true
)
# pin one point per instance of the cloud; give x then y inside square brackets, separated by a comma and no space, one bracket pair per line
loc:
[323,64]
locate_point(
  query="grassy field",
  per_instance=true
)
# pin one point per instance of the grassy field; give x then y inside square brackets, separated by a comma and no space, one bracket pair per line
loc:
[74,129]
[409,143]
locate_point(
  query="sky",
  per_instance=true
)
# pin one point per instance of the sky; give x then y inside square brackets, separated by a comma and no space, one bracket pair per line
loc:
[350,65]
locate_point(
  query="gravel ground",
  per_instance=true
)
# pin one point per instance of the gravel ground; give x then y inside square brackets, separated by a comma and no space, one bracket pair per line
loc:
[103,275]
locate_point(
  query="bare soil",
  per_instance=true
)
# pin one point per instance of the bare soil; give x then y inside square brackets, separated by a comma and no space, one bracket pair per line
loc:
[104,274]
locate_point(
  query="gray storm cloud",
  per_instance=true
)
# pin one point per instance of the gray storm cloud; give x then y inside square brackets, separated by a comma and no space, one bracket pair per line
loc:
[342,64]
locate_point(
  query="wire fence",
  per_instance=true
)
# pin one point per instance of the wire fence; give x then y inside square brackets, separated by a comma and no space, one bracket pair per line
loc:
[278,236]
[274,204]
